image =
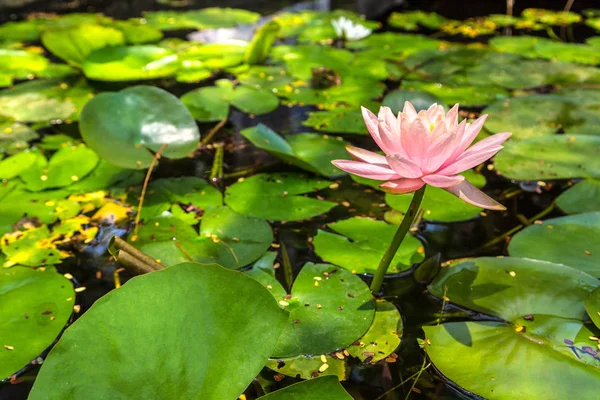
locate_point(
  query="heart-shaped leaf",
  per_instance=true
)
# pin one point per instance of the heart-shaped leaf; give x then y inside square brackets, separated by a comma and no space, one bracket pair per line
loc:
[363,244]
[226,237]
[125,353]
[277,197]
[122,127]
[212,103]
[168,193]
[67,166]
[329,309]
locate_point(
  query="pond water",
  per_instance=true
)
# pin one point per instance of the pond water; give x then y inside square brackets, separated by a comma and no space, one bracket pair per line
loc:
[260,186]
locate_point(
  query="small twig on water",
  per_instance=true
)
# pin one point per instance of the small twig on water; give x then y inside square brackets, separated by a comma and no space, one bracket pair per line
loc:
[139,211]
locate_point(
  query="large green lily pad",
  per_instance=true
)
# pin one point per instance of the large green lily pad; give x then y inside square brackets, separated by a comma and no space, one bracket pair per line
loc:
[36,306]
[511,364]
[567,240]
[74,43]
[125,351]
[123,127]
[122,63]
[329,309]
[546,333]
[309,151]
[512,287]
[363,244]
[314,389]
[582,197]
[212,103]
[550,157]
[277,197]
[231,239]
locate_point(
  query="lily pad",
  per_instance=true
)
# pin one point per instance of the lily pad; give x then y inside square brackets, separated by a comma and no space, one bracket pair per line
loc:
[545,332]
[166,193]
[212,103]
[309,151]
[41,303]
[550,157]
[529,116]
[547,242]
[511,287]
[125,352]
[592,306]
[383,337]
[301,60]
[309,366]
[363,244]
[327,315]
[206,18]
[74,43]
[262,270]
[20,64]
[419,99]
[351,92]
[123,127]
[438,204]
[45,100]
[343,120]
[65,167]
[226,237]
[506,359]
[137,31]
[411,20]
[467,96]
[314,389]
[15,136]
[581,198]
[277,197]
[122,63]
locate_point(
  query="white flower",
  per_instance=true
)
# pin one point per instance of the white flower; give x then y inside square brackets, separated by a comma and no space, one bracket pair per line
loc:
[347,30]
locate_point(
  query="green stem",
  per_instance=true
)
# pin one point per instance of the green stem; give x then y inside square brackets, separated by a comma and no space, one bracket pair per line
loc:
[409,217]
[217,167]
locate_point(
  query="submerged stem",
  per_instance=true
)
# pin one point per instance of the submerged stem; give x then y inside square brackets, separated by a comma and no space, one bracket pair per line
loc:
[403,229]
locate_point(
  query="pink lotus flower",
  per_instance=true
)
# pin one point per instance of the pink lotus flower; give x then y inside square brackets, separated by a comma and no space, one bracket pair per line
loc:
[428,147]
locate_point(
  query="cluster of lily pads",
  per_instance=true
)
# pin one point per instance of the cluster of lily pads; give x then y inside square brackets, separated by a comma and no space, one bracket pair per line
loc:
[236,305]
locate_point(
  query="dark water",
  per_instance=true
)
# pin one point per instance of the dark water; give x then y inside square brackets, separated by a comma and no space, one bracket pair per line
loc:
[447,240]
